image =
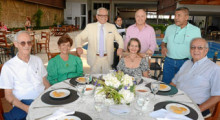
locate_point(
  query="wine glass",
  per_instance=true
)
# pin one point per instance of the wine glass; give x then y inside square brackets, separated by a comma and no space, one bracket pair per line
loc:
[98,104]
[81,89]
[155,86]
[137,79]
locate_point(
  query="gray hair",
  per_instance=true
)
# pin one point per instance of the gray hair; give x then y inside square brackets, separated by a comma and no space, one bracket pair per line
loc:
[101,8]
[185,9]
[18,33]
[206,43]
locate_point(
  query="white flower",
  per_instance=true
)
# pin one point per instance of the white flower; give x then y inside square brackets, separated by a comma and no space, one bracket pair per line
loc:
[127,96]
[111,80]
[127,80]
[97,94]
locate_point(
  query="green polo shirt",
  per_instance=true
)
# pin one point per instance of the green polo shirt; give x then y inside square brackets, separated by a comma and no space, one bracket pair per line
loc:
[178,40]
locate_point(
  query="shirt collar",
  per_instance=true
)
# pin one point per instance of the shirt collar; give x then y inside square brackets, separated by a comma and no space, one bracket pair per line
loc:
[99,24]
[118,26]
[145,25]
[200,61]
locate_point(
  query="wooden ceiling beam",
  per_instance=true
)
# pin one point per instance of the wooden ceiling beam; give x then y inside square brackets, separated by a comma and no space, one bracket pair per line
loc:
[200,2]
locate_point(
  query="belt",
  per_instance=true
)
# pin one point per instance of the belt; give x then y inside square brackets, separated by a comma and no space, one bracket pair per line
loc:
[103,55]
[179,59]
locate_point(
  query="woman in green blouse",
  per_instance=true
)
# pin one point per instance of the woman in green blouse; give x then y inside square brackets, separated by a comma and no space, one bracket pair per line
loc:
[64,65]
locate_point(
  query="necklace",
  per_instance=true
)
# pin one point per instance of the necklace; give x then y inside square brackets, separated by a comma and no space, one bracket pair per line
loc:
[67,64]
[132,60]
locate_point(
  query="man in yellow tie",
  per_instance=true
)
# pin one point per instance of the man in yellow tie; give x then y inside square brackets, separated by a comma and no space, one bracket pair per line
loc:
[101,36]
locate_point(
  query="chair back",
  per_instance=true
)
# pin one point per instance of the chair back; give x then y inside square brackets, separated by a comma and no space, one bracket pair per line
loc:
[2,95]
[215,113]
[3,40]
[33,49]
[46,36]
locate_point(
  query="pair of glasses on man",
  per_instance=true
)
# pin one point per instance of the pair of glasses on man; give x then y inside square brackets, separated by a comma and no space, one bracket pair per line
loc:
[23,43]
[199,48]
[102,16]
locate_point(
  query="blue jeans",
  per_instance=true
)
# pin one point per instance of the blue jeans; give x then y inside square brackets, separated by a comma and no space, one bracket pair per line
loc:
[170,68]
[16,113]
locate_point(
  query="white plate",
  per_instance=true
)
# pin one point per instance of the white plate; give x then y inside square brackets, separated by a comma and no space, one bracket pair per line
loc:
[69,118]
[79,81]
[165,89]
[61,93]
[169,108]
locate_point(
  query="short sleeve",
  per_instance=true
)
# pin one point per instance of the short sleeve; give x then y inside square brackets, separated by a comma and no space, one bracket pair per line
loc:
[144,65]
[6,78]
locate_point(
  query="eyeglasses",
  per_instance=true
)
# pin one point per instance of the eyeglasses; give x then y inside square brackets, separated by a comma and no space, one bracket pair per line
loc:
[103,16]
[23,43]
[199,48]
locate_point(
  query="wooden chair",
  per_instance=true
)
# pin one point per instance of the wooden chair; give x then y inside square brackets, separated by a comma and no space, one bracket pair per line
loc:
[52,55]
[9,47]
[45,40]
[2,95]
[33,49]
[16,30]
[215,113]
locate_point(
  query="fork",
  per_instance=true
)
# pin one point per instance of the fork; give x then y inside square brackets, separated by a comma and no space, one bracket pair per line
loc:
[176,94]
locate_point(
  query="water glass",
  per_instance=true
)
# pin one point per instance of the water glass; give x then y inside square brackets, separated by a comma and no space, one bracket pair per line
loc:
[155,86]
[87,76]
[98,104]
[137,79]
[81,89]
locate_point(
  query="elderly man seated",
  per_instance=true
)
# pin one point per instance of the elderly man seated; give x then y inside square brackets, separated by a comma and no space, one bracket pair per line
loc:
[199,78]
[23,77]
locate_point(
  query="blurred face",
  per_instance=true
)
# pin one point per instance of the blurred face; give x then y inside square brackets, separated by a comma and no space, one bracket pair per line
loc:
[198,50]
[133,48]
[181,18]
[65,48]
[24,44]
[118,22]
[140,17]
[102,17]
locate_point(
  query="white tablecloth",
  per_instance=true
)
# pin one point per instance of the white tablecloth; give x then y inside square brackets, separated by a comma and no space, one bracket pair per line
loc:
[88,106]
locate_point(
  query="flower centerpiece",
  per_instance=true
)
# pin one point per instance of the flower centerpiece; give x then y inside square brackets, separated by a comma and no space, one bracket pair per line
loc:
[116,88]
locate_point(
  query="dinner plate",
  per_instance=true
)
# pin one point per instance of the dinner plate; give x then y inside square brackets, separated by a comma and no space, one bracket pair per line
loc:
[59,93]
[164,87]
[69,118]
[81,80]
[178,108]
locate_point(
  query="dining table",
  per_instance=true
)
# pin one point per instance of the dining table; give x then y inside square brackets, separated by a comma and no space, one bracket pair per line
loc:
[43,106]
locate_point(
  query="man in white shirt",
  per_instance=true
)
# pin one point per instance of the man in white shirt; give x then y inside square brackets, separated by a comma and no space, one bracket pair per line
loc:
[199,77]
[23,78]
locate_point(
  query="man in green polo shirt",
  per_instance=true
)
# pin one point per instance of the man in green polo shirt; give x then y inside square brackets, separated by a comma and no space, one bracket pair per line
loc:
[175,45]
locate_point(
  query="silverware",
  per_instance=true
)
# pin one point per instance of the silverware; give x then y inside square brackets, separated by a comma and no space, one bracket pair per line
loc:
[43,116]
[47,106]
[176,94]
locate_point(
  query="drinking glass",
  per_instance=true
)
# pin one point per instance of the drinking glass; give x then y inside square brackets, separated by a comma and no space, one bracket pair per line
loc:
[98,104]
[137,79]
[81,89]
[155,86]
[87,76]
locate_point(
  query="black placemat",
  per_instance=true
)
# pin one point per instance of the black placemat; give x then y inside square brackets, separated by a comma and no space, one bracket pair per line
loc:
[192,114]
[81,115]
[73,81]
[47,99]
[172,91]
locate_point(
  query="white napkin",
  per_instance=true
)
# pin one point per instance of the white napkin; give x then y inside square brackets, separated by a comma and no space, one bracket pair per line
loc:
[163,114]
[60,113]
[119,109]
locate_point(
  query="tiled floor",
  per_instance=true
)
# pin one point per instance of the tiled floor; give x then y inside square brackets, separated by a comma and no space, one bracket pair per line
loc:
[54,48]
